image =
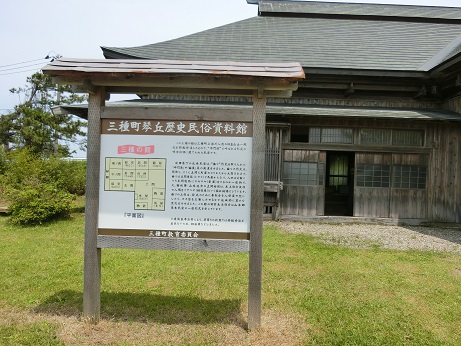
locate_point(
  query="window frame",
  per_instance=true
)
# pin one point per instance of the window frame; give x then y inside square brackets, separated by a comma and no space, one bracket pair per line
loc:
[319,174]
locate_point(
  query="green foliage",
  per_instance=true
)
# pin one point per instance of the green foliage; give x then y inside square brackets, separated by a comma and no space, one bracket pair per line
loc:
[3,160]
[3,167]
[72,176]
[38,202]
[41,189]
[32,124]
[66,175]
[2,190]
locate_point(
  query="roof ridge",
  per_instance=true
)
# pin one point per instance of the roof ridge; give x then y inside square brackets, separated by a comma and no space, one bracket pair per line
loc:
[317,43]
[355,4]
[119,52]
[439,14]
[442,55]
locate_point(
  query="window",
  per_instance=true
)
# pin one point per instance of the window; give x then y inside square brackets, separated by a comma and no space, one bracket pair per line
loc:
[330,135]
[303,173]
[373,175]
[409,177]
[338,170]
[409,138]
[315,134]
[390,137]
[299,134]
[375,136]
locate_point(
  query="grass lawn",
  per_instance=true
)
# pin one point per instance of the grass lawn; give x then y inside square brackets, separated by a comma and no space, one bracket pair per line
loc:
[313,293]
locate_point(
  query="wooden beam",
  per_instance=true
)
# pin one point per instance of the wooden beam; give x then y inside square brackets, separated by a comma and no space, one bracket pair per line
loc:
[355,147]
[189,91]
[88,87]
[359,86]
[243,114]
[177,81]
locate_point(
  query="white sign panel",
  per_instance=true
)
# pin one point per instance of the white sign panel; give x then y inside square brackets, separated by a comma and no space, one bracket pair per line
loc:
[175,179]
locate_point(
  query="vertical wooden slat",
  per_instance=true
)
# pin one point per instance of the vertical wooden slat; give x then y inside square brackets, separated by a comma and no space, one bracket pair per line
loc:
[434,169]
[272,162]
[443,153]
[372,201]
[437,175]
[303,201]
[257,204]
[409,203]
[92,255]
[295,197]
[279,173]
[452,159]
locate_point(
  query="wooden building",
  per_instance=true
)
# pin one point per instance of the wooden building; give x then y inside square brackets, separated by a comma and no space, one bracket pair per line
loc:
[375,129]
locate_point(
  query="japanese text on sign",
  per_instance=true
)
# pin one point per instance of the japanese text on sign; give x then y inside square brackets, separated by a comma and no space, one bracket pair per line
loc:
[178,128]
[144,177]
[162,177]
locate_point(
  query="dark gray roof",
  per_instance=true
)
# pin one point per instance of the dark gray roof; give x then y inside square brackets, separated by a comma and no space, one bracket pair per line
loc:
[374,113]
[425,13]
[280,109]
[317,42]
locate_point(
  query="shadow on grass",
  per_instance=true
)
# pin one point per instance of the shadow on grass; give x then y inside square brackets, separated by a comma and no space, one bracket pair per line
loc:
[77,209]
[145,307]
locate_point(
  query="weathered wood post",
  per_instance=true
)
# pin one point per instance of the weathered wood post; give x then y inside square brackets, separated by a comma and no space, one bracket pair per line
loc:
[257,205]
[92,254]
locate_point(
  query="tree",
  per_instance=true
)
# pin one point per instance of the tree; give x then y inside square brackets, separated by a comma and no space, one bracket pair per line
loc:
[33,125]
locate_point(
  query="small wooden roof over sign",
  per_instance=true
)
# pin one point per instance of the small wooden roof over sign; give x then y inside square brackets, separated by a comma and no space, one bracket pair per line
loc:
[140,76]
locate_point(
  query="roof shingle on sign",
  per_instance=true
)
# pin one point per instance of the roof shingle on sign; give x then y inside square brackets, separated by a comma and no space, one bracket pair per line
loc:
[393,38]
[137,76]
[274,70]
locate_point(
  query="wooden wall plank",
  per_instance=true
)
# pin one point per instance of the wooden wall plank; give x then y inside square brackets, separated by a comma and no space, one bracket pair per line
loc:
[409,204]
[371,202]
[444,174]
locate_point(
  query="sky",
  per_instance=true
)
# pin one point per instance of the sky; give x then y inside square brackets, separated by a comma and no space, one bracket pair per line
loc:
[30,29]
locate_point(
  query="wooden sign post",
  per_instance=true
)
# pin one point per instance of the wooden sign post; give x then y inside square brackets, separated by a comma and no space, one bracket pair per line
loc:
[92,254]
[137,151]
[257,205]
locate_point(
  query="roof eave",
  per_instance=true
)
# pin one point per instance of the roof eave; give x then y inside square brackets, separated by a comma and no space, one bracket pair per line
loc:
[177,77]
[351,72]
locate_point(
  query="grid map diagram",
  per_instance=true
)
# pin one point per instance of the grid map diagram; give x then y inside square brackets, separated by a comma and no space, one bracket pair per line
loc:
[145,177]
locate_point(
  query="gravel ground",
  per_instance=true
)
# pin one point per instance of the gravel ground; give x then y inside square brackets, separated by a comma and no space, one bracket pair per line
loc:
[381,236]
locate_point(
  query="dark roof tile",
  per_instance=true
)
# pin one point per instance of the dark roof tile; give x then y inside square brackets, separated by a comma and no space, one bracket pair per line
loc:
[314,42]
[268,7]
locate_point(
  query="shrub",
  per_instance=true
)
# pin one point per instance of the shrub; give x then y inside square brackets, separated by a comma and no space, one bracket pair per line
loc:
[3,160]
[2,190]
[72,176]
[37,189]
[38,202]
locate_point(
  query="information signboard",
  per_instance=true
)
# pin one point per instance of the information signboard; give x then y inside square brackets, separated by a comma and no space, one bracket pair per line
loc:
[181,179]
[187,181]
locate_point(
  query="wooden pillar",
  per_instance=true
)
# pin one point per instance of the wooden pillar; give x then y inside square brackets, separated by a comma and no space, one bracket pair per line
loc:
[257,205]
[92,255]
